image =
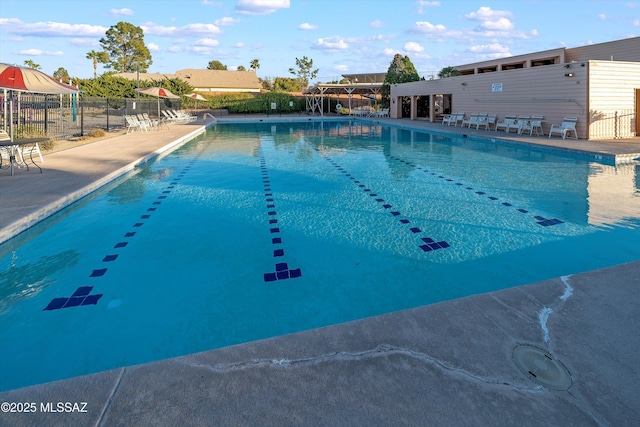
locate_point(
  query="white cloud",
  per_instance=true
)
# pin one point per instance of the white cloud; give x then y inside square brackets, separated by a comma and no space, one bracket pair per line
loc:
[428,28]
[489,48]
[39,52]
[239,45]
[227,21]
[51,29]
[342,68]
[495,23]
[83,42]
[207,42]
[261,7]
[212,3]
[602,16]
[121,12]
[413,47]
[377,24]
[153,47]
[307,27]
[492,20]
[187,30]
[636,23]
[389,52]
[425,3]
[331,44]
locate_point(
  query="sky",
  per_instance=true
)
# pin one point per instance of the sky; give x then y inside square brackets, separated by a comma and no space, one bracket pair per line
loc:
[340,36]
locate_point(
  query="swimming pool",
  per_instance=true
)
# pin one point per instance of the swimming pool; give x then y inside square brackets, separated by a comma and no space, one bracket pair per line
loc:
[258,230]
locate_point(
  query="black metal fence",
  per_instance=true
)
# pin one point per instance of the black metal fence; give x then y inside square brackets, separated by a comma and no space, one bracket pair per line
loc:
[64,116]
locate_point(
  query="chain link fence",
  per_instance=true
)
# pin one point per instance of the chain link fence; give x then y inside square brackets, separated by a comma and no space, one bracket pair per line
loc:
[65,116]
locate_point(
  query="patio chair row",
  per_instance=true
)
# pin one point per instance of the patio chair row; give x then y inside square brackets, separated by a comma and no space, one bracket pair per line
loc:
[140,122]
[511,122]
[179,116]
[369,112]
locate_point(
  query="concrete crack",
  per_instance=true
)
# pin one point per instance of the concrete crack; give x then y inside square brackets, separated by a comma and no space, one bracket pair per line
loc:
[380,350]
[545,312]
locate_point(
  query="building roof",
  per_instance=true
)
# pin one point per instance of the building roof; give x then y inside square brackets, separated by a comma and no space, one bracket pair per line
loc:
[204,79]
[219,78]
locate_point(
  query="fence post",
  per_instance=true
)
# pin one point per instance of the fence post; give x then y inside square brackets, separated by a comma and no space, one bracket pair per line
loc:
[615,124]
[81,99]
[46,114]
[107,101]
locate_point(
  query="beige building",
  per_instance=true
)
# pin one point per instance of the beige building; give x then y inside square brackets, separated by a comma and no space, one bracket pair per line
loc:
[599,84]
[207,81]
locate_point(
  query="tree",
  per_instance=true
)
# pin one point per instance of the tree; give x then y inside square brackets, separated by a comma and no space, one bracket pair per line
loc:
[62,75]
[254,65]
[401,70]
[216,65]
[241,68]
[448,72]
[124,46]
[97,57]
[304,72]
[286,84]
[29,63]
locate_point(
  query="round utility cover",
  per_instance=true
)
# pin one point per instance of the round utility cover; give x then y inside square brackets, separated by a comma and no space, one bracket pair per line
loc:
[541,367]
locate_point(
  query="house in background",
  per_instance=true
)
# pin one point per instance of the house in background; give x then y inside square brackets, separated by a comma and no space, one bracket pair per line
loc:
[207,81]
[599,84]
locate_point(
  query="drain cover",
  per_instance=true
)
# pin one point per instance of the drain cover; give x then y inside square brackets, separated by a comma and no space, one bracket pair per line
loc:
[541,367]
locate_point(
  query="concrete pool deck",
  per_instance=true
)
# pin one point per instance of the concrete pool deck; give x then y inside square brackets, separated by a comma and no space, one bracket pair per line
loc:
[444,364]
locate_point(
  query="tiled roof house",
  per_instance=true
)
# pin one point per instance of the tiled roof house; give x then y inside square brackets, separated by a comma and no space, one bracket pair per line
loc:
[207,81]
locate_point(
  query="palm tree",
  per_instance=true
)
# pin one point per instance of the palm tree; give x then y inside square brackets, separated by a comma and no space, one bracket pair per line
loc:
[448,72]
[254,65]
[97,57]
[29,63]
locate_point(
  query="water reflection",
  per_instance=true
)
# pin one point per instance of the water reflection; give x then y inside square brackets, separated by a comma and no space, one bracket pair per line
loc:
[24,281]
[614,194]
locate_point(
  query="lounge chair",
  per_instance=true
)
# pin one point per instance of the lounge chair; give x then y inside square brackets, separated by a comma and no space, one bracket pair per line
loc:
[568,125]
[133,124]
[471,121]
[169,117]
[487,121]
[184,117]
[146,121]
[508,121]
[5,150]
[534,124]
[519,122]
[459,118]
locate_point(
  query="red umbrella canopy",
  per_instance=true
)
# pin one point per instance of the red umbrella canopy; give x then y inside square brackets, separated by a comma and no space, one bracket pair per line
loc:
[195,96]
[159,92]
[26,79]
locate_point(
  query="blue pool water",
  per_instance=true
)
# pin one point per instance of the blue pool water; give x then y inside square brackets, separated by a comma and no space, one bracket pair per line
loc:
[258,230]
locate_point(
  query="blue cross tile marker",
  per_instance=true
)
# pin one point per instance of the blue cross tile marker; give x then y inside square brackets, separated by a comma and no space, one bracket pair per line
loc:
[80,297]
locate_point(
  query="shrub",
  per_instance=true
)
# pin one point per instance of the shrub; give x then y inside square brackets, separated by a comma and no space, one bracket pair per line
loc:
[97,133]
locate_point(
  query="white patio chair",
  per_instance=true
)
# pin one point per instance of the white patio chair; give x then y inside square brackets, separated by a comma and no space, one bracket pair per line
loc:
[5,150]
[508,121]
[488,121]
[471,121]
[568,125]
[517,124]
[183,116]
[145,120]
[535,123]
[446,118]
[459,118]
[132,125]
[168,118]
